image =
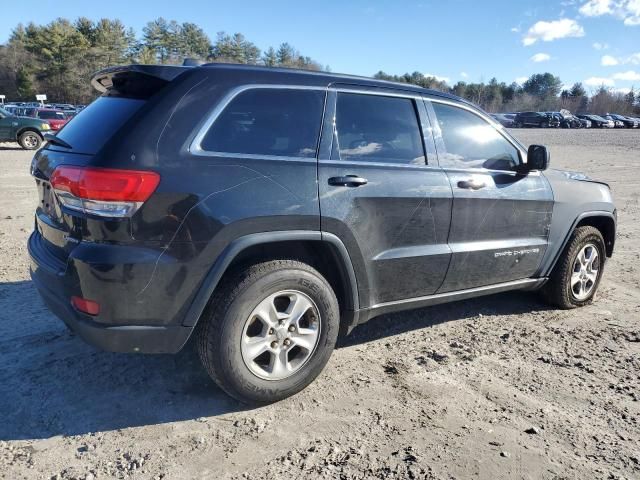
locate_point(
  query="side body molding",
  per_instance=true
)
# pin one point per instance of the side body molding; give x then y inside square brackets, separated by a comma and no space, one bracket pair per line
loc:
[234,248]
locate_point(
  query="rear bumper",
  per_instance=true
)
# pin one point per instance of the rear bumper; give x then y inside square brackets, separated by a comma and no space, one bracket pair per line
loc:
[56,286]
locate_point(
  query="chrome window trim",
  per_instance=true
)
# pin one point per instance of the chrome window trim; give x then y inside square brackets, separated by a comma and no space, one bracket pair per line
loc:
[195,147]
[496,125]
[379,93]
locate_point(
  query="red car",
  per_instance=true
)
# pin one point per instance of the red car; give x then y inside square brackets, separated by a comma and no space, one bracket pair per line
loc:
[56,118]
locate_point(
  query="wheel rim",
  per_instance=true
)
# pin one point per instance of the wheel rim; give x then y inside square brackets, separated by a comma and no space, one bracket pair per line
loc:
[31,141]
[585,272]
[280,335]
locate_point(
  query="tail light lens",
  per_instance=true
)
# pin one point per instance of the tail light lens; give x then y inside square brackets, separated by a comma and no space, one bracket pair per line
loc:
[104,192]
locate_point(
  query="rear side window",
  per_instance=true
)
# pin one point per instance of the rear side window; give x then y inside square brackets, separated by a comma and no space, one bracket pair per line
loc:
[268,121]
[88,131]
[376,128]
[472,142]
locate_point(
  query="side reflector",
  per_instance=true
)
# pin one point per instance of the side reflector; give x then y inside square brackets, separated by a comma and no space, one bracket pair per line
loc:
[85,306]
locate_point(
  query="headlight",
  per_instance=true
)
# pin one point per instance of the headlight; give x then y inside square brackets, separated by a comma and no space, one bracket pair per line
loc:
[45,126]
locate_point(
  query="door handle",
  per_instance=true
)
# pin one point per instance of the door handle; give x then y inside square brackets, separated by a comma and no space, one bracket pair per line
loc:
[471,184]
[348,181]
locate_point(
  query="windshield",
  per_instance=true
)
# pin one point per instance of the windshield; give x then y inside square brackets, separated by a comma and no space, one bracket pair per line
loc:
[4,113]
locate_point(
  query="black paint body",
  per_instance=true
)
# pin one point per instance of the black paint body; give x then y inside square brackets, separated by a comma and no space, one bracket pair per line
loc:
[402,240]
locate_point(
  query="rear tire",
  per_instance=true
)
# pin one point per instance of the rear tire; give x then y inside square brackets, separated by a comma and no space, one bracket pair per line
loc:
[30,140]
[576,277]
[255,307]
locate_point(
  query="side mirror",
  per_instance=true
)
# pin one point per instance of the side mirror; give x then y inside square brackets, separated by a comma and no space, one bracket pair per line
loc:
[537,158]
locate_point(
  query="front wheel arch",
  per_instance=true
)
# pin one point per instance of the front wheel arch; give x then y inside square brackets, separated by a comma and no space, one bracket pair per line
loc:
[606,226]
[604,221]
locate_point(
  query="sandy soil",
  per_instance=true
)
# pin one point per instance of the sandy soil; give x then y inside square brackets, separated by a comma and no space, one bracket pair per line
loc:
[499,388]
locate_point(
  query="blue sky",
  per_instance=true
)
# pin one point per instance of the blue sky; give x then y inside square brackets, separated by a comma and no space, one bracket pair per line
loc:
[592,41]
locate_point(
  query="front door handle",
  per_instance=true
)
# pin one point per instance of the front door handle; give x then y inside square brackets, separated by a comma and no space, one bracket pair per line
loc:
[348,181]
[471,184]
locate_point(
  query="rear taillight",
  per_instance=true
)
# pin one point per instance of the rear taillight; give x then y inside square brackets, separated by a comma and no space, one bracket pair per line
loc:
[104,192]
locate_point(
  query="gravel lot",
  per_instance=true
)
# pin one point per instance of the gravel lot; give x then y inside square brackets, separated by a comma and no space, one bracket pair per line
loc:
[500,387]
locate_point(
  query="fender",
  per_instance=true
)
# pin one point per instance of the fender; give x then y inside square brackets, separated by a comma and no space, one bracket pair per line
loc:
[20,130]
[548,266]
[227,256]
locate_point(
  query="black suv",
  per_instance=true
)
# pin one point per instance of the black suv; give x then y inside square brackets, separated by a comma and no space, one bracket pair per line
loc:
[567,120]
[536,119]
[264,210]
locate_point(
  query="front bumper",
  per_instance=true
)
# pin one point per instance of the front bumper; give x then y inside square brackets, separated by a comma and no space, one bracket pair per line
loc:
[56,285]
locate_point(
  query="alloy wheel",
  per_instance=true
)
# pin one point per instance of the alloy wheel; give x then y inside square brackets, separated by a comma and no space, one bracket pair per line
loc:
[280,335]
[585,272]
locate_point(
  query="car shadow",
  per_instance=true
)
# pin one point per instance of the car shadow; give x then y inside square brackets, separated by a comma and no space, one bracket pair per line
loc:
[508,303]
[52,383]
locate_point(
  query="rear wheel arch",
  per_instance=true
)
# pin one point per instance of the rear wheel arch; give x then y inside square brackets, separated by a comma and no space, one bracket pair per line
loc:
[325,253]
[29,129]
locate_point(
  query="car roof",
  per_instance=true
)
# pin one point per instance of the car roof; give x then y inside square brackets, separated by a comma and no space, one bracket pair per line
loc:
[302,77]
[312,76]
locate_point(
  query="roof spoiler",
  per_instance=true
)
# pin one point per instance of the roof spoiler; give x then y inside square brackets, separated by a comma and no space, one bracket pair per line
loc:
[139,81]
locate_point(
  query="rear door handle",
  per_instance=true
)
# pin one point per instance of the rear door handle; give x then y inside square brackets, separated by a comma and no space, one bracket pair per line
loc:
[348,181]
[471,184]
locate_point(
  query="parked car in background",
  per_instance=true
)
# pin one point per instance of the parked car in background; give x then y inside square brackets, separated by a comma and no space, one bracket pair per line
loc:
[597,121]
[28,132]
[625,121]
[567,120]
[505,119]
[273,215]
[616,123]
[56,118]
[585,122]
[535,119]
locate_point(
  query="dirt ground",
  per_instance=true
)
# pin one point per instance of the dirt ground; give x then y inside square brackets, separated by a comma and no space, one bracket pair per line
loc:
[500,387]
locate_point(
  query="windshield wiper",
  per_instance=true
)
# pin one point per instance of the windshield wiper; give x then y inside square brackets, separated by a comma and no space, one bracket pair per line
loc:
[49,137]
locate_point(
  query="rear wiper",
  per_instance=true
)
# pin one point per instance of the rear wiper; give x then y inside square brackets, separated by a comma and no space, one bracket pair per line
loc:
[49,137]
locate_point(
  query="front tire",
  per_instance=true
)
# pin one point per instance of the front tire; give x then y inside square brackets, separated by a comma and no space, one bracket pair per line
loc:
[30,140]
[269,330]
[576,277]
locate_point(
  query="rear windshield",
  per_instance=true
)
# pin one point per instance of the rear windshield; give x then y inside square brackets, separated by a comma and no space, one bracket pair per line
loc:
[90,129]
[49,115]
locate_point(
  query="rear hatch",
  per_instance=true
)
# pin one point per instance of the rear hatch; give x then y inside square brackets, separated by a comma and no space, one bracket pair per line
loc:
[125,90]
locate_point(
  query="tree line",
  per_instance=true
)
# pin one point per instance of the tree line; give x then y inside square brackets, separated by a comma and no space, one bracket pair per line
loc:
[59,58]
[540,92]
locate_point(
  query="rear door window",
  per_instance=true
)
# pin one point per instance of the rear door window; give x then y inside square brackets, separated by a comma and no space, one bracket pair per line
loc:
[280,122]
[376,128]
